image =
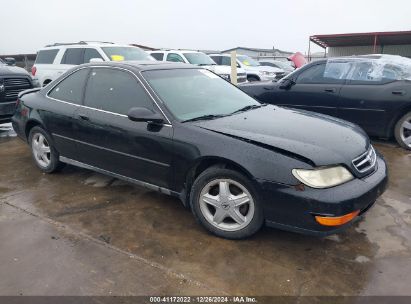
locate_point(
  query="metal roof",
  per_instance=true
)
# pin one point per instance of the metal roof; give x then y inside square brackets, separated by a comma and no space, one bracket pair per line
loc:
[362,39]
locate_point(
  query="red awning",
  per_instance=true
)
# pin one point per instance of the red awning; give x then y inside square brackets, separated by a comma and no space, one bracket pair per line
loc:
[357,39]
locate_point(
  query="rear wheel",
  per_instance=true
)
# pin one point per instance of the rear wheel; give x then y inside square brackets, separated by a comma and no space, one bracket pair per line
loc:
[403,131]
[44,154]
[225,203]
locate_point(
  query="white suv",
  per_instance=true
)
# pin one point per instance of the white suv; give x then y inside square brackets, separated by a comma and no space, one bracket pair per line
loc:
[255,71]
[53,60]
[200,59]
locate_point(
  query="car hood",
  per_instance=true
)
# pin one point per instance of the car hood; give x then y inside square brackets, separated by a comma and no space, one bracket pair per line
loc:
[321,139]
[6,70]
[263,68]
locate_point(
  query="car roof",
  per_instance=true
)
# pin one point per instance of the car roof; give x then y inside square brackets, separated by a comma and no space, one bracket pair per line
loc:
[175,51]
[367,56]
[84,45]
[143,65]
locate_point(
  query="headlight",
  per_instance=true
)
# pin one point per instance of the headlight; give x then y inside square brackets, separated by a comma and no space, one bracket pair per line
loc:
[323,177]
[225,76]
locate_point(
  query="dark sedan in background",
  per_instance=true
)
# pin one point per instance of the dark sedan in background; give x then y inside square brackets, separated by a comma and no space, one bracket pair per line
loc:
[373,91]
[185,131]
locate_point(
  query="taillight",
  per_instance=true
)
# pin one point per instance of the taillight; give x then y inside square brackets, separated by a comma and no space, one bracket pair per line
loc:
[33,70]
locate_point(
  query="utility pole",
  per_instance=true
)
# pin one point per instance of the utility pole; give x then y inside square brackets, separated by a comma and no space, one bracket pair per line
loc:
[233,75]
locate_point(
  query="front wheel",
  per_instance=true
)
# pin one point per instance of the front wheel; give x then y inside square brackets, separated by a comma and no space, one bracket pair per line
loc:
[403,131]
[44,154]
[252,78]
[226,204]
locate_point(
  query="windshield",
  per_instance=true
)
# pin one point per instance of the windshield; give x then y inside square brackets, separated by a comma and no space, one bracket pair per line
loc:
[122,53]
[248,60]
[191,93]
[199,59]
[284,65]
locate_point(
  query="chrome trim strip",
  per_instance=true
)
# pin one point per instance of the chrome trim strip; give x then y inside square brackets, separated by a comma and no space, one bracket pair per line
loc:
[7,103]
[359,109]
[293,105]
[112,67]
[114,151]
[128,179]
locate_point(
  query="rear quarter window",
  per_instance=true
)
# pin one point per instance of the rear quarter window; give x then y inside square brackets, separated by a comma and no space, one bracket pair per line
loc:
[73,56]
[46,56]
[158,56]
[71,88]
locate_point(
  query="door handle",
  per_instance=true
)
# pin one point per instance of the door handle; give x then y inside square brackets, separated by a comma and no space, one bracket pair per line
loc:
[330,90]
[83,117]
[399,92]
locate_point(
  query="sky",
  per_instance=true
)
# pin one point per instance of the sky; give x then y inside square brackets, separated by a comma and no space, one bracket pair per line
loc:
[28,25]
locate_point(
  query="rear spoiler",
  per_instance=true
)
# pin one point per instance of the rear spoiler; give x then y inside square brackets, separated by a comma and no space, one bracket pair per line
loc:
[21,94]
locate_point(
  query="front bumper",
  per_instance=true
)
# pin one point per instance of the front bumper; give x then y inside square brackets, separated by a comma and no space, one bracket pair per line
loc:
[267,77]
[6,111]
[294,207]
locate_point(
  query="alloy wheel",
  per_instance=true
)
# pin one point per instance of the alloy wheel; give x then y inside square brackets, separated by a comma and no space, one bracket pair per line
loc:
[41,150]
[226,204]
[405,132]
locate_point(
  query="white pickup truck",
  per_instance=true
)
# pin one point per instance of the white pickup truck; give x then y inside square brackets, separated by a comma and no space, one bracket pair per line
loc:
[200,59]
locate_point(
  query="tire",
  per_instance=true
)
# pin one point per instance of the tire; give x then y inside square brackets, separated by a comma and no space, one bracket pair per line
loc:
[402,131]
[252,78]
[44,154]
[205,196]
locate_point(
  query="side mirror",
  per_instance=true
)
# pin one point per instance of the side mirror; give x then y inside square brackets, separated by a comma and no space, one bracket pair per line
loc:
[146,115]
[286,84]
[96,60]
[10,61]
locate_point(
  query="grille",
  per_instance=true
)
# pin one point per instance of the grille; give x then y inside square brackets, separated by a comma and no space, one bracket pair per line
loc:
[13,86]
[365,162]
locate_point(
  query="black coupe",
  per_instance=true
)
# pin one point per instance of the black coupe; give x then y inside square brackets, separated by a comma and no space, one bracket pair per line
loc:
[185,131]
[373,91]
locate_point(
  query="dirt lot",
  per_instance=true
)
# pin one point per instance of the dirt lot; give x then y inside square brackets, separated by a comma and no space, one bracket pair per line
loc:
[81,233]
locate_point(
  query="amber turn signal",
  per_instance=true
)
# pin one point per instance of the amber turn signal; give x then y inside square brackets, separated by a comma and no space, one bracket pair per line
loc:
[336,221]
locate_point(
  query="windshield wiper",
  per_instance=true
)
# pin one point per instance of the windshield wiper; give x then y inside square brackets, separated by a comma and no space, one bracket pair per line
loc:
[247,108]
[204,117]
